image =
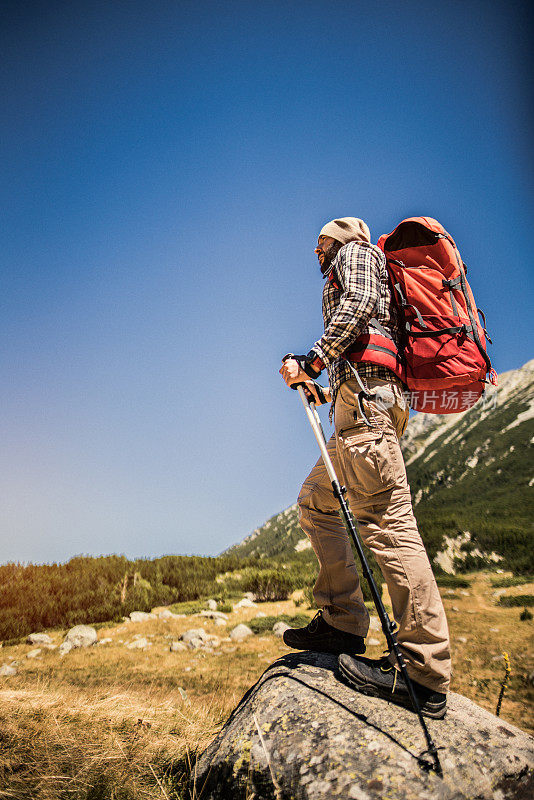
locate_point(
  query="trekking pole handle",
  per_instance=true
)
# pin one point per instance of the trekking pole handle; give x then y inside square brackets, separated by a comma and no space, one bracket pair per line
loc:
[285,358]
[315,422]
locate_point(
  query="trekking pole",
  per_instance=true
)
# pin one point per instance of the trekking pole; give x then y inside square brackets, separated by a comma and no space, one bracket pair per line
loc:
[388,626]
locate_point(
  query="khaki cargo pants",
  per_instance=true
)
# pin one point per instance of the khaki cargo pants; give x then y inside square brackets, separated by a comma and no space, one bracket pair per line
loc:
[368,460]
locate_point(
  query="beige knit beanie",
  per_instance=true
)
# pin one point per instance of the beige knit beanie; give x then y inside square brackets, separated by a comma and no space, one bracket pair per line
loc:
[347,229]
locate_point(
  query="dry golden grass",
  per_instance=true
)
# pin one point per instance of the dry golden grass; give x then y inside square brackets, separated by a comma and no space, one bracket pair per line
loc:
[108,723]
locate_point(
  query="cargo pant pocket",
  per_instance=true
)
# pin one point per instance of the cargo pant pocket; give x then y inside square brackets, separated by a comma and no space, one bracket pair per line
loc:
[367,462]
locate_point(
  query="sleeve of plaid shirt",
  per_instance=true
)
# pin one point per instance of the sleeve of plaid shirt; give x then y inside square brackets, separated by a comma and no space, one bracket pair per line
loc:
[358,271]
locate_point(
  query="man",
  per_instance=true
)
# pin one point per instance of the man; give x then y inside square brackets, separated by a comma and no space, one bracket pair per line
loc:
[360,332]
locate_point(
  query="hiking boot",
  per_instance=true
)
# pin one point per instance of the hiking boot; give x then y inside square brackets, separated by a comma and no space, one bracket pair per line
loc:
[323,638]
[379,678]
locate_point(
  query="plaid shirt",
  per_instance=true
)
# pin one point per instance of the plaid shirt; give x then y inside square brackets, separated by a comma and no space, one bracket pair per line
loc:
[360,271]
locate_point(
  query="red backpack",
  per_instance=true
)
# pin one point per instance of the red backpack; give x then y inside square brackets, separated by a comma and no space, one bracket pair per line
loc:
[443,349]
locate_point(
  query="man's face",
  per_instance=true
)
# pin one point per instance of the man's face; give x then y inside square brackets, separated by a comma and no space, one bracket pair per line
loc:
[326,250]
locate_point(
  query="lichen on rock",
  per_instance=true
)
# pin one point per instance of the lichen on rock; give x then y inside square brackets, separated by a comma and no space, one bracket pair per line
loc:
[301,734]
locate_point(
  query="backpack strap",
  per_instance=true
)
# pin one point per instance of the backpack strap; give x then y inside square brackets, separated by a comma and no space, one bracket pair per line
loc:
[453,283]
[380,328]
[332,280]
[470,312]
[405,304]
[467,329]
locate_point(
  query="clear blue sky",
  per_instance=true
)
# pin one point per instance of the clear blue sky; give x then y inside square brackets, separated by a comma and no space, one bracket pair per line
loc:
[165,169]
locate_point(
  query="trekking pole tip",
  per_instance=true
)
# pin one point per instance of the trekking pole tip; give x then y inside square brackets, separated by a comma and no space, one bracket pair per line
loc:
[429,761]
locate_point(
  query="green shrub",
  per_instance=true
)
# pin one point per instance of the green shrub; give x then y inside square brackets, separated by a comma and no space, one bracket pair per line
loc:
[453,581]
[269,585]
[525,615]
[511,580]
[265,624]
[517,600]
[189,607]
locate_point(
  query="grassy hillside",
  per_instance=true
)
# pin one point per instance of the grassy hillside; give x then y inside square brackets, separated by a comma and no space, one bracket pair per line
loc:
[108,588]
[476,475]
[84,589]
[277,538]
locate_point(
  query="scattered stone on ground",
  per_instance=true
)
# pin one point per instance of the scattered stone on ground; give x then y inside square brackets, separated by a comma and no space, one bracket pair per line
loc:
[64,648]
[176,647]
[141,616]
[166,614]
[220,622]
[106,640]
[38,638]
[301,733]
[81,636]
[197,638]
[260,614]
[212,605]
[373,642]
[34,653]
[7,670]
[246,602]
[374,624]
[240,632]
[279,628]
[461,639]
[138,644]
[193,633]
[213,614]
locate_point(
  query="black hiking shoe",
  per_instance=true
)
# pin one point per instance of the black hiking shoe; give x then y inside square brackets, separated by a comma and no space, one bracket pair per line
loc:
[323,638]
[379,678]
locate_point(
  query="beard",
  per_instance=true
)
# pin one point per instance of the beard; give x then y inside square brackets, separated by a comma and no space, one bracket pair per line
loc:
[329,254]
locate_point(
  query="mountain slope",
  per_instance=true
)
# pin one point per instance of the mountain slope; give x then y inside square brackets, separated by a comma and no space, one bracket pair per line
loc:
[471,476]
[474,472]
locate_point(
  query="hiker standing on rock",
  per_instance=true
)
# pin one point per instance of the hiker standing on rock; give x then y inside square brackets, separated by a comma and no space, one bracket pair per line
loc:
[360,326]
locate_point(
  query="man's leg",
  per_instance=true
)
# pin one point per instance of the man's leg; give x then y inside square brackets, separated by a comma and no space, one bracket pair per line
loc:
[372,467]
[337,589]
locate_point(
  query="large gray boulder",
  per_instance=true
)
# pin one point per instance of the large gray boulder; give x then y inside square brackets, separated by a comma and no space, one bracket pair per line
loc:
[301,734]
[81,636]
[240,632]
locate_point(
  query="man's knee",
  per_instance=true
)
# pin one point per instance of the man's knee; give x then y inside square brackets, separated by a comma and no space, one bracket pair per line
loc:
[305,494]
[305,504]
[316,501]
